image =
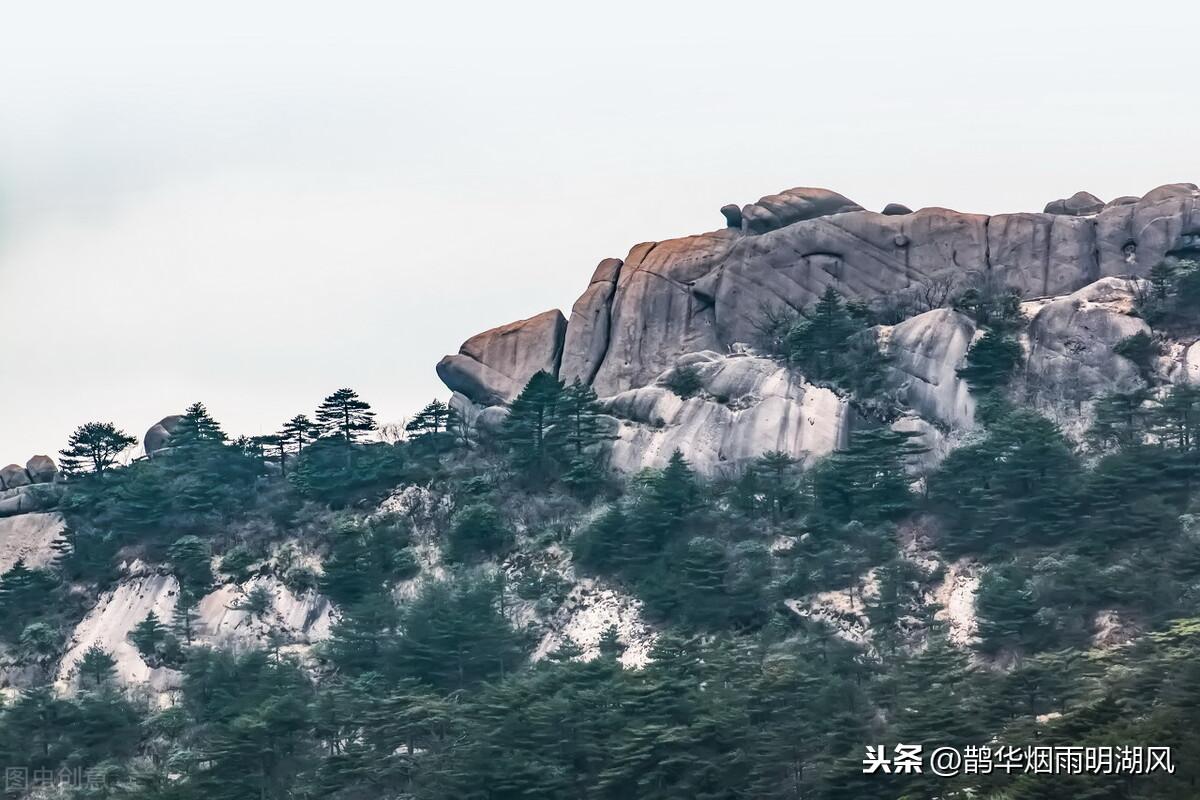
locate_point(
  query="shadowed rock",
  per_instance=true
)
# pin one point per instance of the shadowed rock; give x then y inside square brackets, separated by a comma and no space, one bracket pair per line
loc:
[896,210]
[14,476]
[41,469]
[159,434]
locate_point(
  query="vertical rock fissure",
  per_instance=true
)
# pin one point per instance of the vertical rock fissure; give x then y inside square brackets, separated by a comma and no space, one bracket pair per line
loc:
[608,327]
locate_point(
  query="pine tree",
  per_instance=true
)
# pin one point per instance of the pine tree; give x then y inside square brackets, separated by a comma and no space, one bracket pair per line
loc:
[434,418]
[990,362]
[185,614]
[94,447]
[191,562]
[817,344]
[23,594]
[272,447]
[610,642]
[1019,484]
[602,544]
[529,430]
[776,476]
[97,666]
[1141,348]
[1176,418]
[342,415]
[670,498]
[702,573]
[1008,614]
[1122,419]
[477,530]
[195,429]
[147,635]
[298,432]
[867,481]
[579,414]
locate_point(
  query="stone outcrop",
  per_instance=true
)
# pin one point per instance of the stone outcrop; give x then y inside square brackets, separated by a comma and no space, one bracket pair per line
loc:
[29,488]
[28,499]
[159,434]
[587,331]
[925,354]
[747,406]
[41,469]
[302,618]
[1080,204]
[795,205]
[14,476]
[700,295]
[492,367]
[896,210]
[1070,343]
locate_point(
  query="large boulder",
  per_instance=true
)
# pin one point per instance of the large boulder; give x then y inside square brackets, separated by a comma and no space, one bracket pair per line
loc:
[587,330]
[1080,204]
[746,406]
[658,311]
[896,210]
[926,352]
[794,205]
[494,366]
[14,476]
[29,498]
[41,469]
[159,435]
[1071,340]
[1131,239]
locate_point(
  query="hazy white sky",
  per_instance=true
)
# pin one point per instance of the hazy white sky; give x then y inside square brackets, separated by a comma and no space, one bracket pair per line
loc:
[254,204]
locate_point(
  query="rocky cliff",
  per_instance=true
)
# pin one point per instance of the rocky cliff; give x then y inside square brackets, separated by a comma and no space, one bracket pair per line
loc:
[701,300]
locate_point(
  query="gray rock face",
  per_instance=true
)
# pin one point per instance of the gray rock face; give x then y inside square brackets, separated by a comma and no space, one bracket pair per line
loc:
[478,418]
[896,210]
[705,292]
[27,499]
[494,366]
[28,538]
[794,205]
[926,352]
[159,434]
[14,476]
[1079,204]
[41,469]
[1071,339]
[748,406]
[658,311]
[587,332]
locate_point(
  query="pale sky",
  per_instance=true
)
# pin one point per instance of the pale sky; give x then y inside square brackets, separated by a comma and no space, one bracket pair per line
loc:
[254,204]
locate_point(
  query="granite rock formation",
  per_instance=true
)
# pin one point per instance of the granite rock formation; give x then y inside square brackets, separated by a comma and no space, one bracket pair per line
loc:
[159,434]
[493,366]
[707,293]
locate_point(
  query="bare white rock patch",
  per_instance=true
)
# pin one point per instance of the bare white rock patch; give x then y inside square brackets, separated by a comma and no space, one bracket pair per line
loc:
[590,608]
